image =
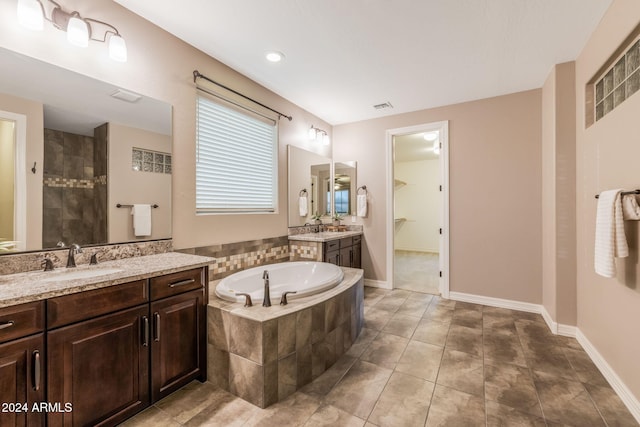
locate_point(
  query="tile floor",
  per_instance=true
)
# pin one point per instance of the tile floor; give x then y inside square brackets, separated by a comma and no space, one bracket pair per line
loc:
[417,271]
[426,361]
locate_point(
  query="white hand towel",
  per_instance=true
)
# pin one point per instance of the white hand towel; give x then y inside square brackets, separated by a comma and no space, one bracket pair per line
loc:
[303,206]
[610,239]
[141,220]
[630,208]
[361,202]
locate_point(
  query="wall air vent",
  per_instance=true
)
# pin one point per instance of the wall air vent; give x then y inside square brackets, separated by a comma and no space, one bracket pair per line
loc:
[383,106]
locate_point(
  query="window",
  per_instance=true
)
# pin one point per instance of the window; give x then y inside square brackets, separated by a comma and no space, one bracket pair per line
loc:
[236,159]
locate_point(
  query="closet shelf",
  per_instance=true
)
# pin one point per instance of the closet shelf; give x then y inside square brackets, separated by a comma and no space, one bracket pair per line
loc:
[397,220]
[399,183]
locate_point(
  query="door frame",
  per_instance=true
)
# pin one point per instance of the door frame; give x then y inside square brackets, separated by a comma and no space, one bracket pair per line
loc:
[20,177]
[443,128]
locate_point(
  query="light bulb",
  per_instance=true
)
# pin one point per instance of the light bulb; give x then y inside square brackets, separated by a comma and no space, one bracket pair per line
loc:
[312,134]
[325,139]
[78,32]
[30,14]
[117,48]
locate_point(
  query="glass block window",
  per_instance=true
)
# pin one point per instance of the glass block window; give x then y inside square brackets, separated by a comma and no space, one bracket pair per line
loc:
[150,161]
[619,82]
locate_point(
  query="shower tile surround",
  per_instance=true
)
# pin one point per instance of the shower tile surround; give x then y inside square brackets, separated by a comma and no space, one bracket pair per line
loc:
[265,354]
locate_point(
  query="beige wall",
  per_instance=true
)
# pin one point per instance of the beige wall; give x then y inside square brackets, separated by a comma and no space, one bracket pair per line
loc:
[7,156]
[418,201]
[559,194]
[607,157]
[495,192]
[161,66]
[126,186]
[34,153]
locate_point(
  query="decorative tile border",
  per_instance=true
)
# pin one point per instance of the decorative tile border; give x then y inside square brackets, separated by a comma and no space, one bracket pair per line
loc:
[302,250]
[234,257]
[73,182]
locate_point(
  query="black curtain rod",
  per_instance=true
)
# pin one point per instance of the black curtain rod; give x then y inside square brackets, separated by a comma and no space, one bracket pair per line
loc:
[196,75]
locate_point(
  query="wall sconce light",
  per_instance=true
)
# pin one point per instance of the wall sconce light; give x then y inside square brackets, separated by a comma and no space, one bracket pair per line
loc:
[32,13]
[318,135]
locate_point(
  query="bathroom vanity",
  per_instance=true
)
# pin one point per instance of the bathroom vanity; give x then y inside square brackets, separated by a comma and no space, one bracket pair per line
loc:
[95,350]
[343,248]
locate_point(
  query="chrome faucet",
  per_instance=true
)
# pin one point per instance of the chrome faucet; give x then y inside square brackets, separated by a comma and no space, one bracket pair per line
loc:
[71,259]
[266,300]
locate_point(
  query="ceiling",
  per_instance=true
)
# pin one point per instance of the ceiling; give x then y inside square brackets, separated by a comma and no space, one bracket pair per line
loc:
[343,57]
[413,147]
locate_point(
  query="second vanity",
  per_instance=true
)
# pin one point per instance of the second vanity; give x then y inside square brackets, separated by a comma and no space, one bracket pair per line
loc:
[96,344]
[343,248]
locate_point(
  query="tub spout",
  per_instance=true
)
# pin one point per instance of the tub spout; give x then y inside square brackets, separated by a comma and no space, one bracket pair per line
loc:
[266,300]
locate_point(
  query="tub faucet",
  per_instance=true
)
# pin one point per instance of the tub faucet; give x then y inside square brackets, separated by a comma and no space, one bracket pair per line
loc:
[73,250]
[266,300]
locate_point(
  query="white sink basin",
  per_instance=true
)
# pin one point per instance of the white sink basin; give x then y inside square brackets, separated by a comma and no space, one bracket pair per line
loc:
[79,274]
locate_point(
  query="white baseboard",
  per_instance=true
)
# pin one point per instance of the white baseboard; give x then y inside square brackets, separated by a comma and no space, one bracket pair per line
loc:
[627,397]
[377,284]
[495,302]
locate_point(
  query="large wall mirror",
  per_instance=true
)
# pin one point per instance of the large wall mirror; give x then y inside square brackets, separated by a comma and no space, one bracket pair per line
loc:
[309,186]
[71,149]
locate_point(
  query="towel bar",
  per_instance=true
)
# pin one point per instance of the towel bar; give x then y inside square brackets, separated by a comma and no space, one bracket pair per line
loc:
[624,193]
[363,187]
[302,192]
[119,205]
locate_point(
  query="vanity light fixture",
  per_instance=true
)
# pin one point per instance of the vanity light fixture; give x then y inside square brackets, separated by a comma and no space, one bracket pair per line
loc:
[32,13]
[319,135]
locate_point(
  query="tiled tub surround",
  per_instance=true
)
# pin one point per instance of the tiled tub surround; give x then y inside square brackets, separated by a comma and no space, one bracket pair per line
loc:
[30,261]
[38,285]
[233,257]
[264,354]
[308,246]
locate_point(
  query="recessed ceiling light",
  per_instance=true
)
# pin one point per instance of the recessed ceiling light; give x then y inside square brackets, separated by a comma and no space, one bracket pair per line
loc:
[274,56]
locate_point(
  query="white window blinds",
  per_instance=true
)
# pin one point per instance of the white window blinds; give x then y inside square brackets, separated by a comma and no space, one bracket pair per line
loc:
[236,160]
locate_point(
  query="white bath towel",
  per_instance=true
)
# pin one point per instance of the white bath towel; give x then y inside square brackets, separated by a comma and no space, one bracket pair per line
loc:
[303,205]
[141,220]
[610,239]
[361,202]
[630,208]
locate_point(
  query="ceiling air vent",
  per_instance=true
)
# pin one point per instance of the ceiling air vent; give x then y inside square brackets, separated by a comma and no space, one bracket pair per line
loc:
[125,95]
[383,106]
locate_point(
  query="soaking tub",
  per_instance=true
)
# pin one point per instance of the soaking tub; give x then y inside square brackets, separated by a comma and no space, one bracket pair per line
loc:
[304,277]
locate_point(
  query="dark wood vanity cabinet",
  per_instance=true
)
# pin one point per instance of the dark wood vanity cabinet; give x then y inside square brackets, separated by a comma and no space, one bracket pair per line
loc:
[345,252]
[113,351]
[22,369]
[178,345]
[100,368]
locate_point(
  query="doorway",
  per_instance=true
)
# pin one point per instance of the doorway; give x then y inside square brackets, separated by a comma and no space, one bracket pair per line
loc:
[418,219]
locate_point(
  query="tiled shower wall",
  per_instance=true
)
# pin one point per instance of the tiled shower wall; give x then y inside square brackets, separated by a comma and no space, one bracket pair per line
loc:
[74,188]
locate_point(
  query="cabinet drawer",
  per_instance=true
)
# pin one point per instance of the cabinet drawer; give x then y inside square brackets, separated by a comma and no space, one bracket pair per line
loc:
[357,239]
[21,320]
[331,245]
[84,305]
[176,283]
[346,242]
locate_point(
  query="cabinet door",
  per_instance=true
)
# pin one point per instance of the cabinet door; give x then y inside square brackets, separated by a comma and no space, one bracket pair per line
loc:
[22,381]
[100,367]
[178,345]
[345,257]
[332,256]
[356,257]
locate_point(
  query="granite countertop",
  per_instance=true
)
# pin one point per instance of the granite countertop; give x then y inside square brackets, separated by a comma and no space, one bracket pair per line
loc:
[324,236]
[38,285]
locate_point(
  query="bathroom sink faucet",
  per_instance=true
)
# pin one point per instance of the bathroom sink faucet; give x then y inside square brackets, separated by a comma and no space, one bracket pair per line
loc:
[73,250]
[266,300]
